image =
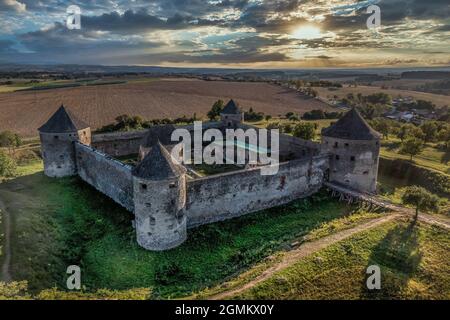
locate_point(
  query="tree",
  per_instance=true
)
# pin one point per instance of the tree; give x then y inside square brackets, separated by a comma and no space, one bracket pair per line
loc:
[215,111]
[421,199]
[9,140]
[444,136]
[383,127]
[429,130]
[287,128]
[412,147]
[7,165]
[379,98]
[304,130]
[368,111]
[404,131]
[409,130]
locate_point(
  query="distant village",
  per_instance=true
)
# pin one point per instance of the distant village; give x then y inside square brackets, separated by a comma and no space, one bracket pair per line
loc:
[411,114]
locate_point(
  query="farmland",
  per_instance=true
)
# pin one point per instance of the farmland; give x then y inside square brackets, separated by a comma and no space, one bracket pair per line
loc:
[23,112]
[437,99]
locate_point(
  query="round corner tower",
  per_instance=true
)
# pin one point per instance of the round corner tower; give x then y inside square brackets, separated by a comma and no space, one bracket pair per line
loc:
[57,142]
[159,188]
[231,116]
[354,149]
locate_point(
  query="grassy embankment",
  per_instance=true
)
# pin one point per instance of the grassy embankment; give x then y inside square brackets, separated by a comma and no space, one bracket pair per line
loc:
[431,157]
[413,261]
[61,222]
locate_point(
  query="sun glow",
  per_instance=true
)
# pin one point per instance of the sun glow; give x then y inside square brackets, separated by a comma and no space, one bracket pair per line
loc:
[307,32]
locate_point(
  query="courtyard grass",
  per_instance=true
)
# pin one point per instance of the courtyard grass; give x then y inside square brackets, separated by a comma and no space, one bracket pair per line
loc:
[59,222]
[413,259]
[208,170]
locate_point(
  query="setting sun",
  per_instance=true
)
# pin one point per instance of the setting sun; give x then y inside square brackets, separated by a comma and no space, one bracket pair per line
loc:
[307,32]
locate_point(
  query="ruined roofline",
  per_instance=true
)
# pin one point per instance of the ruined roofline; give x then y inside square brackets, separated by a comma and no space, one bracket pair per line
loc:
[231,108]
[63,121]
[351,126]
[158,164]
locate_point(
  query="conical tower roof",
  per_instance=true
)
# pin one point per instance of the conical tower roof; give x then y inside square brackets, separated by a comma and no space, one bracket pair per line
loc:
[62,121]
[158,164]
[231,108]
[351,126]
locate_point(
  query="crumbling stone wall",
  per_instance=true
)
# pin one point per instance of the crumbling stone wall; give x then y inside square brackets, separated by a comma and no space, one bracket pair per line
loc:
[119,143]
[107,175]
[292,147]
[230,195]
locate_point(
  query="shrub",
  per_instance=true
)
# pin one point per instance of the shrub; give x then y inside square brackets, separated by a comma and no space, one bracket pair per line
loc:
[7,165]
[305,131]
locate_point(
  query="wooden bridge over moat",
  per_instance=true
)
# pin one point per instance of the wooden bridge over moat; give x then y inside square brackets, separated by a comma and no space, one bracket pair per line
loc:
[369,201]
[372,202]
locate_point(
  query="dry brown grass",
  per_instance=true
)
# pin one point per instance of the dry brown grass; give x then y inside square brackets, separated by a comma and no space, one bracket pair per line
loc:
[24,112]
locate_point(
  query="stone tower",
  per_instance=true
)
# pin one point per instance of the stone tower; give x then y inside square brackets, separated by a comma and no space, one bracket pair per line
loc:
[355,149]
[159,185]
[57,142]
[231,116]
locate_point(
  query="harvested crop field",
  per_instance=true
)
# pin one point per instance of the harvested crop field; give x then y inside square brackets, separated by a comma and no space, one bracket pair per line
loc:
[24,112]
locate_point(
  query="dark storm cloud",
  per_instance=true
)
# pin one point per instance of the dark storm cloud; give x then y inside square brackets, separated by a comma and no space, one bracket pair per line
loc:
[223,56]
[322,57]
[393,12]
[140,21]
[59,43]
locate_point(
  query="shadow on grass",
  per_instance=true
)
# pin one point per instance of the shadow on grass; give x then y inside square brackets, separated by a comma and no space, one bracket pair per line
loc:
[398,256]
[392,146]
[445,157]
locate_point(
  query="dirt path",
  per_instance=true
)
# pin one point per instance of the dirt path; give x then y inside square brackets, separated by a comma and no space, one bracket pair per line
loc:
[6,248]
[305,250]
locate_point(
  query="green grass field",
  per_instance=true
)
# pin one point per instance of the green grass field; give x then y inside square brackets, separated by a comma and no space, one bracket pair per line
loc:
[431,157]
[413,261]
[58,222]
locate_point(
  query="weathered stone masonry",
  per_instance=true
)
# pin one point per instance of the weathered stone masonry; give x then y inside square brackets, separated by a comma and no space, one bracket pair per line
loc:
[166,203]
[230,195]
[109,176]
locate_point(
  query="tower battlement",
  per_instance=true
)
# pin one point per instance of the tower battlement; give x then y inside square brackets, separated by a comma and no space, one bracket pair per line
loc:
[166,202]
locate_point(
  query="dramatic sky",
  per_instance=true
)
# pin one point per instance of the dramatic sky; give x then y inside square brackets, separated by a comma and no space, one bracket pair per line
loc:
[231,33]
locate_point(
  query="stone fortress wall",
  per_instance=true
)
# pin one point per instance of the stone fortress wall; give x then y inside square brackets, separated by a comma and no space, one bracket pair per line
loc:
[118,144]
[225,196]
[109,176]
[212,198]
[165,203]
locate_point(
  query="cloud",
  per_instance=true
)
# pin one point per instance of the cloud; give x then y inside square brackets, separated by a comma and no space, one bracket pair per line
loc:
[12,5]
[6,46]
[219,31]
[322,57]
